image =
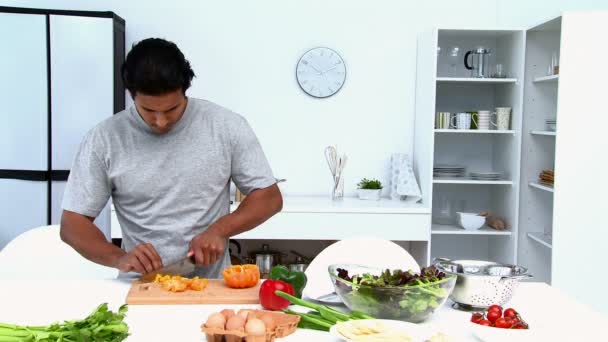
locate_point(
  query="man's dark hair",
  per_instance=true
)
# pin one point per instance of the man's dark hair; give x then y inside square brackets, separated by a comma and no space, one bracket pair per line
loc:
[156,66]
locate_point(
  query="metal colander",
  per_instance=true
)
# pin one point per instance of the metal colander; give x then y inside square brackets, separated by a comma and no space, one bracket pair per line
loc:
[482,283]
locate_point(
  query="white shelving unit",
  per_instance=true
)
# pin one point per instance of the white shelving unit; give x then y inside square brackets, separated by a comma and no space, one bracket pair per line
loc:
[475,131]
[538,152]
[550,78]
[444,85]
[545,133]
[552,231]
[541,187]
[563,228]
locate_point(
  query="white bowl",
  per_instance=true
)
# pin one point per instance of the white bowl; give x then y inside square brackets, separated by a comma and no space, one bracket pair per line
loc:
[471,221]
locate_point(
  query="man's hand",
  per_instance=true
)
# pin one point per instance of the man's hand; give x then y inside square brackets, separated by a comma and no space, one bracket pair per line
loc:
[142,259]
[208,247]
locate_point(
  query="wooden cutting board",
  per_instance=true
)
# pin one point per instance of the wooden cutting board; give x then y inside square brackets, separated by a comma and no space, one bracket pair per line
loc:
[216,292]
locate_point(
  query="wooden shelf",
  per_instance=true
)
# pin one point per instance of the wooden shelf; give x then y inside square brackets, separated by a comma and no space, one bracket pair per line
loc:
[476,80]
[470,181]
[547,133]
[441,229]
[474,131]
[542,238]
[541,186]
[551,78]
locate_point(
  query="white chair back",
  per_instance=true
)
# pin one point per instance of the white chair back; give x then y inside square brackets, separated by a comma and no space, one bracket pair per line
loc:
[39,253]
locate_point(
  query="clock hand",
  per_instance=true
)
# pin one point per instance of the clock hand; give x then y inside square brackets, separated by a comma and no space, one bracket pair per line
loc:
[330,69]
[317,70]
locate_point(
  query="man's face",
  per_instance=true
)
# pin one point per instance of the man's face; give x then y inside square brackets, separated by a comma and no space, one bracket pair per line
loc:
[161,112]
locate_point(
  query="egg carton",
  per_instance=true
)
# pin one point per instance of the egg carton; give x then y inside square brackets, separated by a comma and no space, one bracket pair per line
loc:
[285,325]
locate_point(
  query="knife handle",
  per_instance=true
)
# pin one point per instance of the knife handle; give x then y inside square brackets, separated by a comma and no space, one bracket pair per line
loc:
[191,257]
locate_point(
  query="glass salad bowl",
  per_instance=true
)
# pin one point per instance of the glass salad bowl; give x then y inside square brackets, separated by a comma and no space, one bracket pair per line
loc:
[388,294]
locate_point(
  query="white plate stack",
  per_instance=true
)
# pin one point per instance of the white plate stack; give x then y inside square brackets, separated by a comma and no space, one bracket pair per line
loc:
[551,124]
[486,176]
[448,171]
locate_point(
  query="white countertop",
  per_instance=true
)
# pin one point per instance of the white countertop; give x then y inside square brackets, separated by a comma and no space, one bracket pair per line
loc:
[548,311]
[324,204]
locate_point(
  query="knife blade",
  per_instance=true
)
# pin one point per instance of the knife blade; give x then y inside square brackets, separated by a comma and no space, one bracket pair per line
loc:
[182,267]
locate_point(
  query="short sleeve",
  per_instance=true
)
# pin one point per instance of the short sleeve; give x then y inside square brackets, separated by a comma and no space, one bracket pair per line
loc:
[88,188]
[250,168]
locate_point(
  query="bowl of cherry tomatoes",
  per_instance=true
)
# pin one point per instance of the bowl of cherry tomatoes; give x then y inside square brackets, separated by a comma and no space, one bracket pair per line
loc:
[496,325]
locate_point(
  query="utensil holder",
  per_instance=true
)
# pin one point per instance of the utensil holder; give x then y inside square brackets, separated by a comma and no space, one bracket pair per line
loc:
[337,192]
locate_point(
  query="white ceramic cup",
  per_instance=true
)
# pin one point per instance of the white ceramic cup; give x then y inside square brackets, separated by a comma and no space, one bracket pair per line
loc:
[461,121]
[483,119]
[503,117]
[443,120]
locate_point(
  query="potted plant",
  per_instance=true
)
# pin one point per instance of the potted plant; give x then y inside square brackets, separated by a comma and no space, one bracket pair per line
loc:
[369,189]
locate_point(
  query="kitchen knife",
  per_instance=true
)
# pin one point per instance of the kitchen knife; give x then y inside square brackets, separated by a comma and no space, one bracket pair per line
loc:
[183,267]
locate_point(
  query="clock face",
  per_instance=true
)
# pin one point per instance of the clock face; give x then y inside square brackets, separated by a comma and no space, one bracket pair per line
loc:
[321,72]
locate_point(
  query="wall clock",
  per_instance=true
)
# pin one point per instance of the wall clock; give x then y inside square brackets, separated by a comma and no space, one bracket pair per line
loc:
[321,72]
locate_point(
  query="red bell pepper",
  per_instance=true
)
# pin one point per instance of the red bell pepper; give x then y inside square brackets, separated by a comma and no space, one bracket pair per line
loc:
[271,301]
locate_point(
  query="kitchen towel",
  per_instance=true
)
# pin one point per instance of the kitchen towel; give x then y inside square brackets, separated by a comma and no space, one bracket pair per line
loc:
[404,186]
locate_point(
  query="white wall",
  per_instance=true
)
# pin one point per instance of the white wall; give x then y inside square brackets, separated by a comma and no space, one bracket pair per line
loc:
[244,53]
[526,13]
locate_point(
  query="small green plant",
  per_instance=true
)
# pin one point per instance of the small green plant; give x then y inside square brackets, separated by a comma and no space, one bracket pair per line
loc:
[369,184]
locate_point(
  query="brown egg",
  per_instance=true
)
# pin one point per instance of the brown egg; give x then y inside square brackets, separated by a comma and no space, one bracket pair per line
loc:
[255,327]
[216,320]
[227,313]
[244,313]
[235,323]
[268,322]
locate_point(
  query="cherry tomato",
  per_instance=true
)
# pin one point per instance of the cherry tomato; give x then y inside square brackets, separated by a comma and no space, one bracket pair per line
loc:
[520,325]
[476,317]
[497,308]
[493,316]
[514,319]
[485,322]
[502,323]
[510,313]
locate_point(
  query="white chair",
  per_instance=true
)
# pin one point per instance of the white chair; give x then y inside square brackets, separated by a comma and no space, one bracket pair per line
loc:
[39,253]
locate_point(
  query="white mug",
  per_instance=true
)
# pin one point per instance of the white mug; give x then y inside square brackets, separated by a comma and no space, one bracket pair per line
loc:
[503,116]
[463,121]
[483,119]
[443,120]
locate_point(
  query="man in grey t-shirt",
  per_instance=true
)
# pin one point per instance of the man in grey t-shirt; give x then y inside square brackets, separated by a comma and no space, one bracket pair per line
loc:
[167,163]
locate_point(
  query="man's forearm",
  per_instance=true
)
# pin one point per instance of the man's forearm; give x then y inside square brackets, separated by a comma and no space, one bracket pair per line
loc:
[257,207]
[80,232]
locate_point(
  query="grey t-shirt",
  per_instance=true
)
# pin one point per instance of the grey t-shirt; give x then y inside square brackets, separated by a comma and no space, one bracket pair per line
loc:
[167,188]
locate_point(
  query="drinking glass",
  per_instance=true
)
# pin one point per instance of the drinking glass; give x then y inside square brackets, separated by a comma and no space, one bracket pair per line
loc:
[499,71]
[554,63]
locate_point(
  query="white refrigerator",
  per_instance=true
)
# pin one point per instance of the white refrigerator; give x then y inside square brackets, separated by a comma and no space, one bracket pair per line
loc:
[59,77]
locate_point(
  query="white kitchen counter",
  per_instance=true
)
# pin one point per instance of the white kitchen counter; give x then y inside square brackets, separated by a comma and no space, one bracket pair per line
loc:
[320,218]
[552,315]
[352,205]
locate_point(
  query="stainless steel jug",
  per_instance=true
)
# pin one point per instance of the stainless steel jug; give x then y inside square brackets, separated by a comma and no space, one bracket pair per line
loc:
[479,62]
